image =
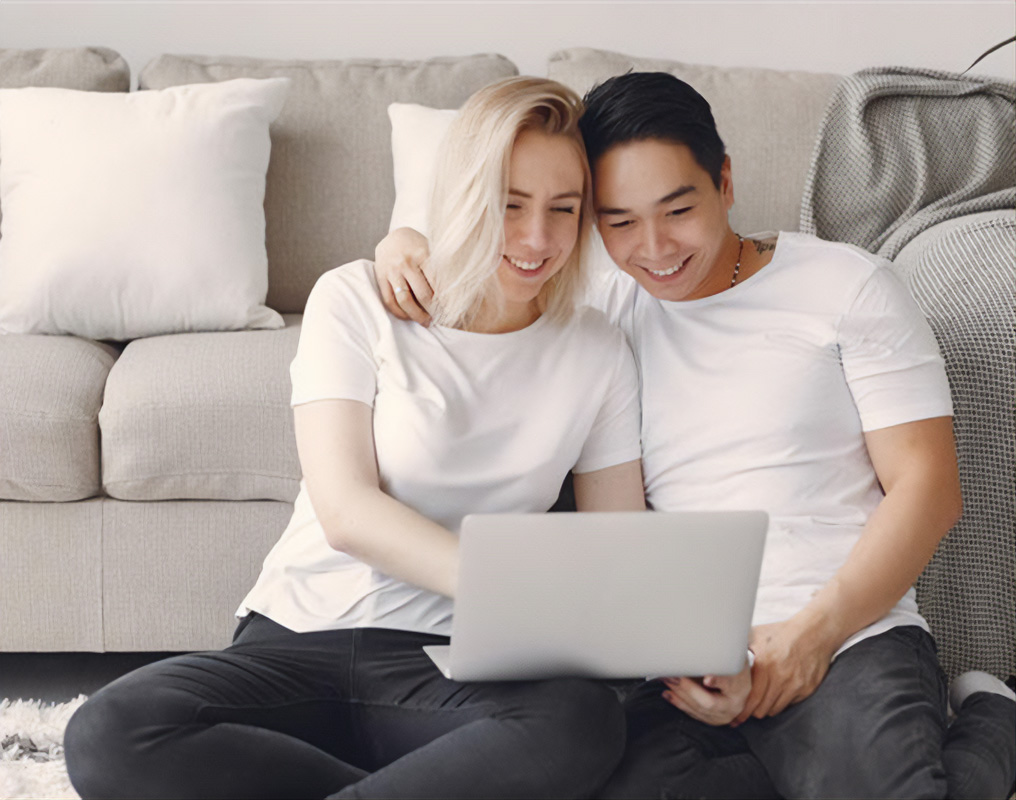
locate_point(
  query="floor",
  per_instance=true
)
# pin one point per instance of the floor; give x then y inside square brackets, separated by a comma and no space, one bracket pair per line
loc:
[59,677]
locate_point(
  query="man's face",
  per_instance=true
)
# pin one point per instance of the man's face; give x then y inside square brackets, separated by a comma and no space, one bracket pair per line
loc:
[663,220]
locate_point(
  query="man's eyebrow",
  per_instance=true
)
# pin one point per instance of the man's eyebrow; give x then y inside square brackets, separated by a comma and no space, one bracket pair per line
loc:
[679,192]
[528,196]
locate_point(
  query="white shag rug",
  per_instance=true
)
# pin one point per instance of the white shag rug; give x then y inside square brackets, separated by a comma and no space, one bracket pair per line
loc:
[31,749]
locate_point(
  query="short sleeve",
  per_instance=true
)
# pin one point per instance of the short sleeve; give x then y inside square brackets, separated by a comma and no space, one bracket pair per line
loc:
[335,356]
[890,357]
[615,435]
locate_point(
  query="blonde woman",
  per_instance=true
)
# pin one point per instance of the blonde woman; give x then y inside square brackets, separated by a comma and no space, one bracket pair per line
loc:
[402,430]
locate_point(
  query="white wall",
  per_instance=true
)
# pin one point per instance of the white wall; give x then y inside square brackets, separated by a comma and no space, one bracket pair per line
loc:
[818,36]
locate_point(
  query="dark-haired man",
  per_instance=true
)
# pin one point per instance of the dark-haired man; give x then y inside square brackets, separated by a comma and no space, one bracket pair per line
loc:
[794,375]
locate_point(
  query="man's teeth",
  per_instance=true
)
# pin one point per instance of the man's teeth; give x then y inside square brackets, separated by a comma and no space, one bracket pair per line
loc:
[663,273]
[528,266]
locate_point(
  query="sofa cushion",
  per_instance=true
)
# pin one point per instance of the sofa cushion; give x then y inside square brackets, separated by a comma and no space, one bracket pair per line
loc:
[330,186]
[50,393]
[768,120]
[91,69]
[130,215]
[202,416]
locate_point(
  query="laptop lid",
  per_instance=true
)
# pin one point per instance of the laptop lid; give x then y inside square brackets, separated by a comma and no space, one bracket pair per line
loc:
[605,595]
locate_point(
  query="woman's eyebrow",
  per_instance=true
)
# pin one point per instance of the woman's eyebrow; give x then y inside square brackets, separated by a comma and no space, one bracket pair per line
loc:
[561,196]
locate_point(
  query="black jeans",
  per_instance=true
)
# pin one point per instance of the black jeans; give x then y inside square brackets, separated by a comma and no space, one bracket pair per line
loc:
[357,713]
[875,727]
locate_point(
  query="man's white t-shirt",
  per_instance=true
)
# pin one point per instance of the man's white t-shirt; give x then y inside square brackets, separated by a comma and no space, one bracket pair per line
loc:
[759,396]
[463,423]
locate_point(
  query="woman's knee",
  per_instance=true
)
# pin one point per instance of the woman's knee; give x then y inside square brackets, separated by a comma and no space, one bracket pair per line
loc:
[586,724]
[102,739]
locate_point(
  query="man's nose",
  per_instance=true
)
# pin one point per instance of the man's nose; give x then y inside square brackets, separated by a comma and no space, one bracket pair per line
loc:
[655,241]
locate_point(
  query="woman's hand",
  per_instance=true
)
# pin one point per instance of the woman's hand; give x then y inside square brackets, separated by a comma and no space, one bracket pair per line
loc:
[398,267]
[714,700]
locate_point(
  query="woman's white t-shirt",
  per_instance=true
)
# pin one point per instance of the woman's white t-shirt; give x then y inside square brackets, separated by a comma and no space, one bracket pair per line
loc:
[759,397]
[463,423]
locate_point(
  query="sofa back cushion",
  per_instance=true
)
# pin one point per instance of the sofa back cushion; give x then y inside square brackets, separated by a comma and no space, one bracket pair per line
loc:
[768,120]
[90,69]
[330,186]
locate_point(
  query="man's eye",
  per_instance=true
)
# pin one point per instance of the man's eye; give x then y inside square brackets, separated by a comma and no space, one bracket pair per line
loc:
[679,211]
[622,224]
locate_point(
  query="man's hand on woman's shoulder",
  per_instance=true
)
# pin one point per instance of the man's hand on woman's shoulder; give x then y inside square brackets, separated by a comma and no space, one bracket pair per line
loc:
[398,267]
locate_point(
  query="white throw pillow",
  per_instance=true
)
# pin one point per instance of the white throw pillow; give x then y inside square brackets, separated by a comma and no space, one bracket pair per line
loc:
[129,215]
[417,132]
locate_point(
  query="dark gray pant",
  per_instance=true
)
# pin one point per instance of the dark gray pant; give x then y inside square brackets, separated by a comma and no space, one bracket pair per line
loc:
[360,713]
[875,727]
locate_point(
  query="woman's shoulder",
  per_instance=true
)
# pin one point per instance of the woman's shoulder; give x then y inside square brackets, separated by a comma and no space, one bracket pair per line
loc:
[348,287]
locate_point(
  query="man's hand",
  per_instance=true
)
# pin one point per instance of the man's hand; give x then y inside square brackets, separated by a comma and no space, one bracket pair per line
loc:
[398,267]
[715,700]
[791,659]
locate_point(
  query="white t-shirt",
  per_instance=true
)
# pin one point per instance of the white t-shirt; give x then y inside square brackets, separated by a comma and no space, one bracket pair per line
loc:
[463,423]
[758,397]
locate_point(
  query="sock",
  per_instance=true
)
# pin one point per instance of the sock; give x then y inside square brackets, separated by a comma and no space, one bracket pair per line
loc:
[972,682]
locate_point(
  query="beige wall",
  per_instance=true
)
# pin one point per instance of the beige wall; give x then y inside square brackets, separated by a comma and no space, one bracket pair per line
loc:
[819,35]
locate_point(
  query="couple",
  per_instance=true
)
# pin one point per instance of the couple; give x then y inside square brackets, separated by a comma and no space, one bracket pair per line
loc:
[787,374]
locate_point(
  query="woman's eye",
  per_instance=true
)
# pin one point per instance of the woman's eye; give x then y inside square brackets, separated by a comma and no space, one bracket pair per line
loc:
[513,205]
[566,209]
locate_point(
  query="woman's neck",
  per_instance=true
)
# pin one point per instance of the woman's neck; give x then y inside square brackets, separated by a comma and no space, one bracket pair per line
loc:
[508,318]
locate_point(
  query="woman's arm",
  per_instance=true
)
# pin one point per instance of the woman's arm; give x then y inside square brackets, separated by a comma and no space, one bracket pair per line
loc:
[398,265]
[617,488]
[916,465]
[335,441]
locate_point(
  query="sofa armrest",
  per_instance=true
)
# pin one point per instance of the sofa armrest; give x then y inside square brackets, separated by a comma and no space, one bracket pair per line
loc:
[961,274]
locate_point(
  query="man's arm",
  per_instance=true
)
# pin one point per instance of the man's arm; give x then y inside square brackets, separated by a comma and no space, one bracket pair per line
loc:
[398,267]
[916,465]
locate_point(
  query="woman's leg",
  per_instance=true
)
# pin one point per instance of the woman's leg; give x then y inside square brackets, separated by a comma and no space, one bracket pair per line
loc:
[263,718]
[427,736]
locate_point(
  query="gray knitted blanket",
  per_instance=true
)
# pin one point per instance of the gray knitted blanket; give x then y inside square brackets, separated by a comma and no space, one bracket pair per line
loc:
[902,149]
[905,160]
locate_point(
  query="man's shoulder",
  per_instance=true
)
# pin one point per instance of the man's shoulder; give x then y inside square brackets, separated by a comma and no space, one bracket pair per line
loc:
[811,249]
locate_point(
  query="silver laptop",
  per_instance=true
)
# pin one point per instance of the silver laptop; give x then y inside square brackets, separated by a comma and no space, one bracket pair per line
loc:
[603,595]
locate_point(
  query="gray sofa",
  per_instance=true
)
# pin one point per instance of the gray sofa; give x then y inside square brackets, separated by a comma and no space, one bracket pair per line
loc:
[142,483]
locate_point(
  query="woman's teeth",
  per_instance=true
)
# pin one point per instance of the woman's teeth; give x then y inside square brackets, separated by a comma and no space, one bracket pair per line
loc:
[528,266]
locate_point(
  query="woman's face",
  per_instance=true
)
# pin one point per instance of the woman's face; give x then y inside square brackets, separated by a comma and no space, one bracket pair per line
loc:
[541,221]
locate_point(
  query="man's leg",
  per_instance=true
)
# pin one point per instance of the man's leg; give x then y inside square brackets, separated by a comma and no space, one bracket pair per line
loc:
[980,748]
[671,755]
[422,735]
[873,728]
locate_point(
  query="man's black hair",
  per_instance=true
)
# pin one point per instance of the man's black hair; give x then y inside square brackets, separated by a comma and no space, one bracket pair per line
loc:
[639,106]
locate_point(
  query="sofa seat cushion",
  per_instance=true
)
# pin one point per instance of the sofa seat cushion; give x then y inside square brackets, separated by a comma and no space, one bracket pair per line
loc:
[768,120]
[202,416]
[50,394]
[330,188]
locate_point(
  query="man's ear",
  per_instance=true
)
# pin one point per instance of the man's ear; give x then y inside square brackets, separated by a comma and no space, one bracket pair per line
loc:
[726,184]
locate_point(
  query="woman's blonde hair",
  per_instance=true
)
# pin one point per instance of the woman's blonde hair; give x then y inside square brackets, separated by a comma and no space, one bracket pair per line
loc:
[471,191]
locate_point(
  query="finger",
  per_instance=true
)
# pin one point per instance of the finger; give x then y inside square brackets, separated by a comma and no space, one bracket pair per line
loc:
[784,700]
[681,704]
[774,691]
[759,680]
[417,280]
[388,297]
[410,306]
